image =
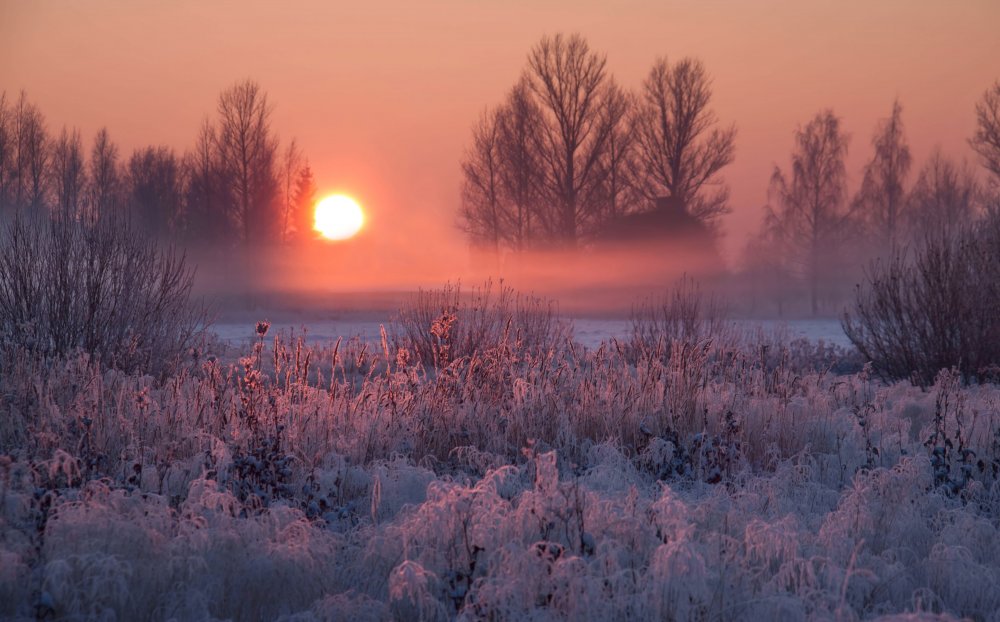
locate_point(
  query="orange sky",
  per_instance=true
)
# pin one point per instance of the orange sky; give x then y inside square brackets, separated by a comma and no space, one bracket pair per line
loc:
[382,95]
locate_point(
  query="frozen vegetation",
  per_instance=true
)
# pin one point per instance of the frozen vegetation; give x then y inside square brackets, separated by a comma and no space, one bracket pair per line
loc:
[477,463]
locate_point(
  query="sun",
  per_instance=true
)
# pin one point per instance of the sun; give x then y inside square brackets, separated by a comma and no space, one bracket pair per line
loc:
[338,217]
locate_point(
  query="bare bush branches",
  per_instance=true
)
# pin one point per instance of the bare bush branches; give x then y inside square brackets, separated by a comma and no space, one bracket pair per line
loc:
[66,285]
[685,315]
[444,321]
[940,311]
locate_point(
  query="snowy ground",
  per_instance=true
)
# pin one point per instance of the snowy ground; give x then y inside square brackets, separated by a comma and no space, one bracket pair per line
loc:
[587,331]
[306,483]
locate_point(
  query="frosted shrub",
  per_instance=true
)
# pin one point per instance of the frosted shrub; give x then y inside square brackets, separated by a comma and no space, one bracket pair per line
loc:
[684,315]
[582,484]
[100,287]
[913,318]
[438,326]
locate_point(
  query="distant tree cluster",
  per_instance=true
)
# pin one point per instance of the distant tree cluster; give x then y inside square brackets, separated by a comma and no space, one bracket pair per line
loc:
[816,234]
[235,185]
[569,151]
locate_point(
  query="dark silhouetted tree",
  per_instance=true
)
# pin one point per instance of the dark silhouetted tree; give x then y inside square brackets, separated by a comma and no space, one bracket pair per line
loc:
[105,177]
[31,161]
[944,199]
[810,217]
[519,123]
[502,175]
[247,156]
[682,149]
[154,189]
[8,153]
[986,140]
[68,173]
[480,214]
[304,200]
[621,190]
[570,83]
[206,197]
[882,199]
[291,167]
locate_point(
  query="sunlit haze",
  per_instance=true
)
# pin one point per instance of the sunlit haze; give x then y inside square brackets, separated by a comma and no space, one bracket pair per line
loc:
[338,217]
[381,97]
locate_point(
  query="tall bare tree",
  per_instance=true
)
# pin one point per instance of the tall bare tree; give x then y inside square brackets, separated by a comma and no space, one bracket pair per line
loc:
[682,148]
[882,198]
[154,187]
[622,192]
[944,199]
[570,82]
[304,200]
[519,122]
[68,174]
[811,216]
[986,140]
[247,152]
[105,177]
[32,155]
[480,213]
[291,166]
[208,206]
[8,153]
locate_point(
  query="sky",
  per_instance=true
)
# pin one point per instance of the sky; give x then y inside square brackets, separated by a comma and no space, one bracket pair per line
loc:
[382,95]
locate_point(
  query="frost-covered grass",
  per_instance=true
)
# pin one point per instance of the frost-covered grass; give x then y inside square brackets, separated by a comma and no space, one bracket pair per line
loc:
[346,481]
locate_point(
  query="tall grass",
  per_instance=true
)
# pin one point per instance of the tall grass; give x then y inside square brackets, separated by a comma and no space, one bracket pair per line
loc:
[345,481]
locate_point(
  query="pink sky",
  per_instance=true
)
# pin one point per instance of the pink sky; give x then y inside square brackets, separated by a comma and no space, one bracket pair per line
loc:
[382,95]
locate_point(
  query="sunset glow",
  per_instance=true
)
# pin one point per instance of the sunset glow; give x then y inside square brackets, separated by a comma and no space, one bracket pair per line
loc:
[338,217]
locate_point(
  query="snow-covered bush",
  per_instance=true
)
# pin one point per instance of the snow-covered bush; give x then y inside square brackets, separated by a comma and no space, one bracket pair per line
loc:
[100,287]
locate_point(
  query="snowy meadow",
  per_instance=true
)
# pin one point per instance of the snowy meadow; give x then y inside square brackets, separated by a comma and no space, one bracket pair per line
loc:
[476,462]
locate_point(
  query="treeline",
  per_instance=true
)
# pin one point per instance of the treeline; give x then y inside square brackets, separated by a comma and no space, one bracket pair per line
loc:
[818,236]
[570,152]
[236,184]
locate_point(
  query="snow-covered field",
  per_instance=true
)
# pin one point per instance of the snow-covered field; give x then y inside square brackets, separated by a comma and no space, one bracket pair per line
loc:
[303,480]
[587,331]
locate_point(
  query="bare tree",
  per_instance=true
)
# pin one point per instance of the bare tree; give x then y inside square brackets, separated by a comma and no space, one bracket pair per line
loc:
[154,189]
[519,125]
[208,216]
[68,174]
[32,159]
[681,147]
[247,156]
[304,199]
[882,198]
[480,214]
[8,153]
[986,140]
[944,199]
[105,177]
[291,166]
[570,82]
[811,217]
[619,164]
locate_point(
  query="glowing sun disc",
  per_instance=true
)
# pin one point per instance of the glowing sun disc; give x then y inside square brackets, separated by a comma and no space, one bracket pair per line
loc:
[338,217]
